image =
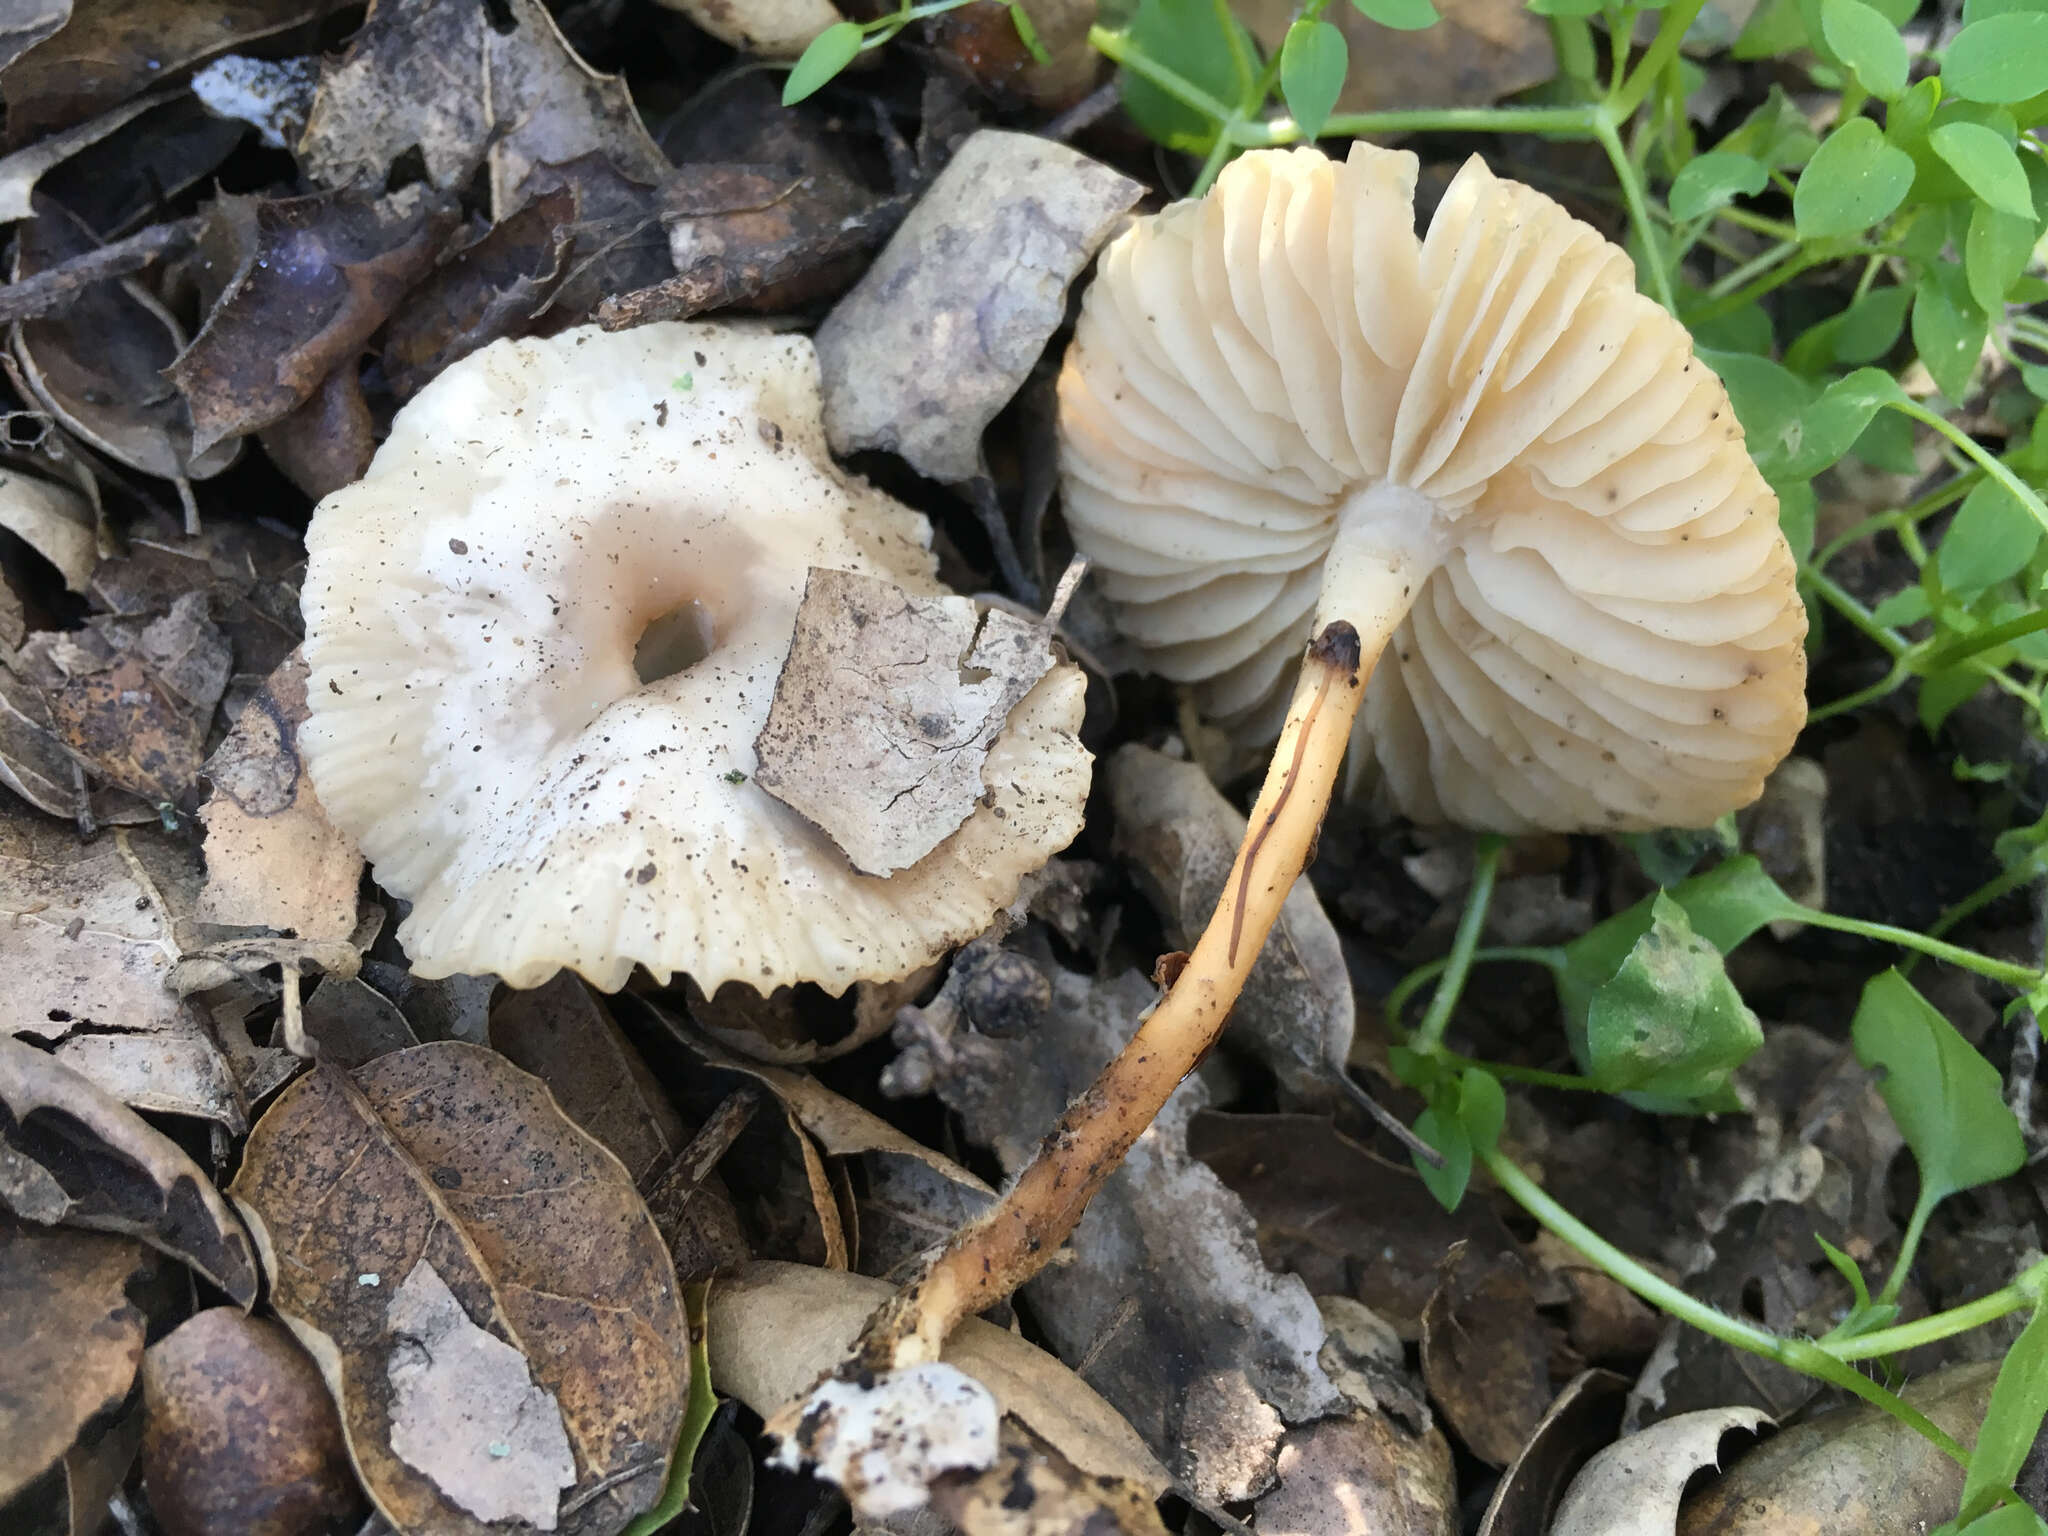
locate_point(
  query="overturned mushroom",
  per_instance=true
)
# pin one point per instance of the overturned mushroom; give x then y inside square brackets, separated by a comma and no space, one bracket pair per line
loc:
[544,632]
[1284,415]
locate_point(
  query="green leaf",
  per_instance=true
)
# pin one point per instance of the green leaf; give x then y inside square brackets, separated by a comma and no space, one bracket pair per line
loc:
[1870,327]
[2019,1401]
[1448,1135]
[1948,328]
[1768,401]
[1977,10]
[1714,180]
[1830,426]
[698,1410]
[2006,1520]
[1992,538]
[1943,693]
[2001,58]
[1482,1108]
[1027,34]
[1946,1099]
[1888,444]
[1907,120]
[1908,605]
[1725,905]
[1401,15]
[1313,62]
[1995,254]
[1565,7]
[1854,179]
[1867,43]
[830,52]
[1670,1022]
[1798,514]
[1987,163]
[1187,37]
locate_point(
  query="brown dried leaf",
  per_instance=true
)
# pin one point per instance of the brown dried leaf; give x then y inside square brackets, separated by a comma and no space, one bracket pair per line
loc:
[446,1160]
[21,171]
[94,930]
[249,573]
[885,711]
[1854,1472]
[561,1033]
[70,1340]
[1481,51]
[983,43]
[776,1328]
[351,1022]
[240,1434]
[1181,834]
[32,764]
[97,367]
[315,277]
[1486,1353]
[1359,1476]
[113,49]
[327,442]
[911,1197]
[1585,1415]
[619,243]
[27,23]
[492,288]
[957,309]
[55,520]
[1348,1222]
[133,698]
[273,860]
[69,1153]
[439,76]
[1032,1490]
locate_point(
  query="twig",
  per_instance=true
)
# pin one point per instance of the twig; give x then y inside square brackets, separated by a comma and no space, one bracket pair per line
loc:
[57,287]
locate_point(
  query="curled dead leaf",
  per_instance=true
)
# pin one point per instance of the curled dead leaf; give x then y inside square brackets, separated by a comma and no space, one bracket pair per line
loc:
[70,1339]
[1632,1488]
[71,1154]
[448,1161]
[311,279]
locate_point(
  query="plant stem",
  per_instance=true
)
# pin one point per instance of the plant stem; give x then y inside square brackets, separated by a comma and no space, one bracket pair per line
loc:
[1632,195]
[1966,646]
[1422,975]
[1115,46]
[2024,1291]
[1429,1035]
[1916,1227]
[1800,1354]
[2019,977]
[1989,462]
[1535,1077]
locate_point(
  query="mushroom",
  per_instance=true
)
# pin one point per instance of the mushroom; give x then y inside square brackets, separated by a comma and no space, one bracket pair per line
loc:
[1483,448]
[544,631]
[1283,415]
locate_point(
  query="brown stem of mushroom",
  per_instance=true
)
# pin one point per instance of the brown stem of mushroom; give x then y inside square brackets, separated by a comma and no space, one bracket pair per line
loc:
[988,1259]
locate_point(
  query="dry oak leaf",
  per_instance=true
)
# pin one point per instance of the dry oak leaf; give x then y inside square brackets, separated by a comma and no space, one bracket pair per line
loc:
[312,278]
[71,1154]
[885,712]
[439,76]
[1632,1487]
[70,1340]
[111,50]
[448,1156]
[56,521]
[273,860]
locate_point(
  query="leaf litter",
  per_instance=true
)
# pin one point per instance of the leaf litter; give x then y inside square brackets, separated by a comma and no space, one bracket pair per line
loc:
[242,240]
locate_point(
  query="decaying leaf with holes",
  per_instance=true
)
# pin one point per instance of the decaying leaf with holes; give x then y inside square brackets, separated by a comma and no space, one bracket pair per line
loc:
[486,1293]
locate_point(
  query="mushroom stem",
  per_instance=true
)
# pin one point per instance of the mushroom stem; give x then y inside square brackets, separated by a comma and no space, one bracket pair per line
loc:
[988,1259]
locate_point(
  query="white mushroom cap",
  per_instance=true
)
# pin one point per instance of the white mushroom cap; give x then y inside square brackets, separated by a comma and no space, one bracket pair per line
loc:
[473,605]
[1282,408]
